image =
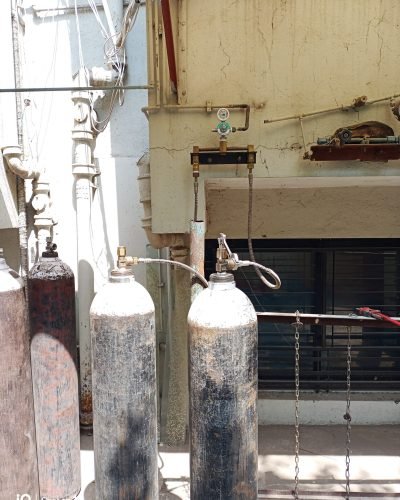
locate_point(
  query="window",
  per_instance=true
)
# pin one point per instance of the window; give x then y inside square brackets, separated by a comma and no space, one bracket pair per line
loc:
[331,277]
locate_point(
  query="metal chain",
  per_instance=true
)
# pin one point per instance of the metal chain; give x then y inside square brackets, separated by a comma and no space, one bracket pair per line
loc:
[297,327]
[347,415]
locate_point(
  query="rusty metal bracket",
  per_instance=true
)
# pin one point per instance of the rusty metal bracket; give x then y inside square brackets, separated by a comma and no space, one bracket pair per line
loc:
[349,152]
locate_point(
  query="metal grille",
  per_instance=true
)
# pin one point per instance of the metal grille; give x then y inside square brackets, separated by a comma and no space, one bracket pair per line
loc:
[331,277]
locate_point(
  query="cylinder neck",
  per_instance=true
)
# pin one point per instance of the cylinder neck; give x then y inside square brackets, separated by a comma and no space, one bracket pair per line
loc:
[121,275]
[222,281]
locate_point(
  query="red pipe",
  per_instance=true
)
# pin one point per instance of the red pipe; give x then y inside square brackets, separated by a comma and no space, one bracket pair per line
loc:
[169,42]
[374,313]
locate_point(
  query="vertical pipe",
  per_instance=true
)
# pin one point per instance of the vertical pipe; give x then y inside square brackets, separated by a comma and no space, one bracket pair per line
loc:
[23,239]
[178,393]
[85,295]
[83,170]
[113,10]
[182,51]
[197,232]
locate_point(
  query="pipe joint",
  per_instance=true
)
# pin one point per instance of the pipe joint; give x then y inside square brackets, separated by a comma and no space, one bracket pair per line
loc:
[99,76]
[123,260]
[13,157]
[83,170]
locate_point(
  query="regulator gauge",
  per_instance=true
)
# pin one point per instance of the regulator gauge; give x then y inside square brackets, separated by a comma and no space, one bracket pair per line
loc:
[223,114]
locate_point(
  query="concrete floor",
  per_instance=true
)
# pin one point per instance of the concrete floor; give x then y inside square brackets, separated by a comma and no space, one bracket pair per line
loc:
[375,463]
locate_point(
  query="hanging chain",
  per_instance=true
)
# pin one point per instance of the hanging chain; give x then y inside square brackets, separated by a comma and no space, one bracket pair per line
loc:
[347,415]
[297,327]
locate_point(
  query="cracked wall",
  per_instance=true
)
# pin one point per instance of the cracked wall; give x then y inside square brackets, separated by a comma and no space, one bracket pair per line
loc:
[282,58]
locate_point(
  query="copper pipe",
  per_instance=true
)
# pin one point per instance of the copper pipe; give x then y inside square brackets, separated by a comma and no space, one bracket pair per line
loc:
[202,107]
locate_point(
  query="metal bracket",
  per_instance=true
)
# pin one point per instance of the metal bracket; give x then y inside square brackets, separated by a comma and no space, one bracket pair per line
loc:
[232,156]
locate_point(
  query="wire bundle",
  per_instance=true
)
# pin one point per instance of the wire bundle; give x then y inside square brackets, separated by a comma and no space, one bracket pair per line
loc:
[114,51]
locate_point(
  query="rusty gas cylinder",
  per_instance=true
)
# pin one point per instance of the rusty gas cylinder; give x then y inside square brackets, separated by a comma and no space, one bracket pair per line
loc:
[223,393]
[55,376]
[18,464]
[124,390]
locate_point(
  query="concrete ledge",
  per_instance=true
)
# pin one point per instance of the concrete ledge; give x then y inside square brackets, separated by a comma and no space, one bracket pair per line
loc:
[329,412]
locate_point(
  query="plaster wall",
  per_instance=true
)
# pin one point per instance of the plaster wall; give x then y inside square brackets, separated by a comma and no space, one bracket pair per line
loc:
[281,57]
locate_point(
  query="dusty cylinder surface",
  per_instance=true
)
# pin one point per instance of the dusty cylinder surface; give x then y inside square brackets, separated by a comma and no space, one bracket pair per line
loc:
[223,393]
[55,377]
[18,464]
[122,327]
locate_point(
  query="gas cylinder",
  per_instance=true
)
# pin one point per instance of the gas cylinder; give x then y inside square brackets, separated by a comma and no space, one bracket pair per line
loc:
[18,464]
[223,393]
[122,324]
[55,376]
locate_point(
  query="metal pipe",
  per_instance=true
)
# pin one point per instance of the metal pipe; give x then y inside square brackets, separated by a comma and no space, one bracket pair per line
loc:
[350,107]
[19,90]
[84,7]
[114,15]
[201,107]
[182,54]
[324,319]
[83,170]
[197,234]
[21,198]
[160,54]
[177,417]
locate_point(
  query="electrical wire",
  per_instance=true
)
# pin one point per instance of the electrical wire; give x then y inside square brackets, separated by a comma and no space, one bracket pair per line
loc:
[116,57]
[93,6]
[127,22]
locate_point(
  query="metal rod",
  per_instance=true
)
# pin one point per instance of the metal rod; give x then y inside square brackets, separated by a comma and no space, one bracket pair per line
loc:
[197,234]
[324,319]
[65,8]
[330,110]
[326,494]
[76,89]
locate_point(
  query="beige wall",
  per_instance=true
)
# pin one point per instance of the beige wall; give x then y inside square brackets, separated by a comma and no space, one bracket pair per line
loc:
[281,57]
[351,211]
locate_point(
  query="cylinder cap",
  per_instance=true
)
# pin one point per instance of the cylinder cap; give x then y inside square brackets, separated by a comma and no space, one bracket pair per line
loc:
[50,249]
